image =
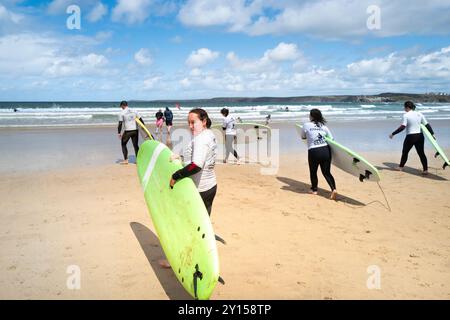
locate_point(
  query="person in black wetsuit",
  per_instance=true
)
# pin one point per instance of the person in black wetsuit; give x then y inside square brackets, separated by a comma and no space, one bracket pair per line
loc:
[168,115]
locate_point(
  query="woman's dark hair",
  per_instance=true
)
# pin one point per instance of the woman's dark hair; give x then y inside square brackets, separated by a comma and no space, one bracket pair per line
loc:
[317,117]
[224,111]
[410,105]
[202,115]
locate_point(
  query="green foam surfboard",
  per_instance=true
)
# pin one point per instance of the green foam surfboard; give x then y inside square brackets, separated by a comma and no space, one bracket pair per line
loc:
[180,219]
[439,151]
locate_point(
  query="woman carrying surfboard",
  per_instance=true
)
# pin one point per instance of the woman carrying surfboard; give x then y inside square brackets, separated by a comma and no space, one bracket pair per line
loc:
[319,153]
[414,137]
[200,156]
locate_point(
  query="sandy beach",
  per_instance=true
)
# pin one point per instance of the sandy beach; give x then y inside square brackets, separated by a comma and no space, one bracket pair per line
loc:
[282,243]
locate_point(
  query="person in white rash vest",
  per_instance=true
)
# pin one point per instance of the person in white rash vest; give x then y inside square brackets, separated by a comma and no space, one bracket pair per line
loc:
[200,159]
[228,126]
[127,121]
[414,137]
[319,152]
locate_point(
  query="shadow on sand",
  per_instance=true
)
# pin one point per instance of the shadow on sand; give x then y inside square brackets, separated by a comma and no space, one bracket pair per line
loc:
[301,187]
[152,249]
[390,166]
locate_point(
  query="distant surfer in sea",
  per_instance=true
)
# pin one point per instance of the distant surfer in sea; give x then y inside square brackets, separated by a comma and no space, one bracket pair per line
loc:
[200,159]
[319,152]
[414,137]
[127,122]
[228,126]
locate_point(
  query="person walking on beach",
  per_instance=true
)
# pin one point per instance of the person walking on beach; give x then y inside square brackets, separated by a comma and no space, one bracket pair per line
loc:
[228,126]
[200,158]
[128,123]
[319,152]
[168,115]
[159,121]
[414,137]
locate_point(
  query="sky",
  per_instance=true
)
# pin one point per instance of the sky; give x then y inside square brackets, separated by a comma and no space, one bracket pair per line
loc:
[90,50]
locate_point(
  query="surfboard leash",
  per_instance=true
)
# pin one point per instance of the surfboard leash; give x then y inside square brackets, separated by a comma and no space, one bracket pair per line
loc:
[384,195]
[386,206]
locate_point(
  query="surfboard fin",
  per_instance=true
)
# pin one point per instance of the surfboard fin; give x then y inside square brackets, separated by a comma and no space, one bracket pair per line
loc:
[436,154]
[368,173]
[197,275]
[221,280]
[361,177]
[445,165]
[220,239]
[355,161]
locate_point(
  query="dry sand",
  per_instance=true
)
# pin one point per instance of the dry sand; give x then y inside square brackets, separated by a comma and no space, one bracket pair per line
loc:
[282,243]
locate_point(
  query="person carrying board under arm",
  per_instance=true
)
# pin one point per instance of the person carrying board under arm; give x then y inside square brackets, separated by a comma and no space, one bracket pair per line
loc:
[414,136]
[128,123]
[199,158]
[319,152]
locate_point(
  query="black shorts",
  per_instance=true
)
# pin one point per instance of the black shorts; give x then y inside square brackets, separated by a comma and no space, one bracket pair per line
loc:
[168,122]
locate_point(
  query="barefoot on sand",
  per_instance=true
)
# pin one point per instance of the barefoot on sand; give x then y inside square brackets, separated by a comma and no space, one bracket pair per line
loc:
[333,195]
[164,263]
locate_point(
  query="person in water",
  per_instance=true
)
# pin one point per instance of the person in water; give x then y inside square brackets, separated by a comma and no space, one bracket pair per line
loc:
[200,158]
[319,152]
[128,123]
[414,137]
[228,126]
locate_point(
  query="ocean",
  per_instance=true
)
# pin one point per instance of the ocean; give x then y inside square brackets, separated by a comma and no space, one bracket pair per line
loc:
[63,114]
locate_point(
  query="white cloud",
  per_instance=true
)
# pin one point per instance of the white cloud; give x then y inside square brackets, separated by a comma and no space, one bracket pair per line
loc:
[7,16]
[131,11]
[375,67]
[38,55]
[201,57]
[185,83]
[203,13]
[150,83]
[75,66]
[257,65]
[283,52]
[97,12]
[143,57]
[269,61]
[196,72]
[397,68]
[338,19]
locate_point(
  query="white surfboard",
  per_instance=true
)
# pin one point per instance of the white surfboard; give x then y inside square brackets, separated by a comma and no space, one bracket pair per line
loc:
[349,161]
